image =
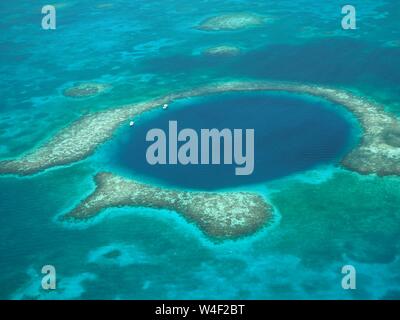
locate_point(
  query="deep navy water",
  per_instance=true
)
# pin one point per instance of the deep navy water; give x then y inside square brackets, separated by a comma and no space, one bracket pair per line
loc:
[293,133]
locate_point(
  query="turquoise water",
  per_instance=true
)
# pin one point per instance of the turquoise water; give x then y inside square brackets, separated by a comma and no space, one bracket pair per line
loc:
[328,217]
[291,134]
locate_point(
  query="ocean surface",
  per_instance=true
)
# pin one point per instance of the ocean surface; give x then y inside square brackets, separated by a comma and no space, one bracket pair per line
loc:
[328,216]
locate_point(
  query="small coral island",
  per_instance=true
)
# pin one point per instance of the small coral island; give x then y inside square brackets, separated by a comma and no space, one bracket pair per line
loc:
[85,90]
[219,215]
[230,22]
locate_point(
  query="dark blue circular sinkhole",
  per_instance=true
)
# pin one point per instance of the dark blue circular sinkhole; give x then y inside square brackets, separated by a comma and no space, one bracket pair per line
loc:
[293,133]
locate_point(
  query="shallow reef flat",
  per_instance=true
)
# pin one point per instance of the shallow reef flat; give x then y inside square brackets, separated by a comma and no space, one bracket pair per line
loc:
[219,215]
[74,142]
[233,21]
[377,153]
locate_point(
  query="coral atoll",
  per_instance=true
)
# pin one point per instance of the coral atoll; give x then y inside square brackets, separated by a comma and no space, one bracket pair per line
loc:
[378,151]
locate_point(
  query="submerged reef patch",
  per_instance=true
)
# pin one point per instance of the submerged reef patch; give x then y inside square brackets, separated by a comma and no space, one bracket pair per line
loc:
[377,153]
[85,90]
[219,215]
[112,254]
[222,51]
[120,254]
[233,21]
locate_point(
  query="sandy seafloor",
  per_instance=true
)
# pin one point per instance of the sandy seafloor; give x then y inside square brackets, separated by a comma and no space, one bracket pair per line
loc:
[328,217]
